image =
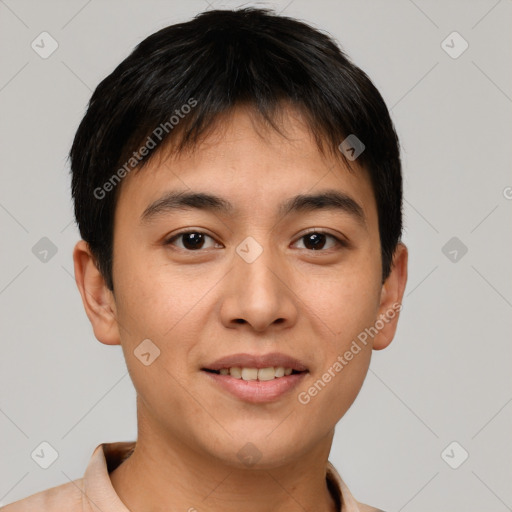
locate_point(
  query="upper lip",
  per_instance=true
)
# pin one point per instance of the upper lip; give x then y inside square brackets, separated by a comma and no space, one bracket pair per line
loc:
[257,361]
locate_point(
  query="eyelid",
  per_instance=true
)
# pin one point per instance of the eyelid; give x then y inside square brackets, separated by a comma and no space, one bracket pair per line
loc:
[168,240]
[340,238]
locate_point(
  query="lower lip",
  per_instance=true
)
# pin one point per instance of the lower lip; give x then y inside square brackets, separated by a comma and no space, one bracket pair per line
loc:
[257,391]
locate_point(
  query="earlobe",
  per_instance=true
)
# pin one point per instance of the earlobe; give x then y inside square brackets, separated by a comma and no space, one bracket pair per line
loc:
[391,299]
[97,299]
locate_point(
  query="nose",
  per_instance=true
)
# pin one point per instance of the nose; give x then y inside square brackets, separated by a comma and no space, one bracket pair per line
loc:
[259,294]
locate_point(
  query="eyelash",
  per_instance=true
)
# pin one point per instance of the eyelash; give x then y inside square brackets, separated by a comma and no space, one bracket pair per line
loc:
[340,242]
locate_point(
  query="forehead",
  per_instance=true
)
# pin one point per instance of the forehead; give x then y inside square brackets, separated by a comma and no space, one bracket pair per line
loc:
[250,162]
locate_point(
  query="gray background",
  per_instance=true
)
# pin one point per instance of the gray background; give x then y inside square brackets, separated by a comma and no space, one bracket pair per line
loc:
[446,377]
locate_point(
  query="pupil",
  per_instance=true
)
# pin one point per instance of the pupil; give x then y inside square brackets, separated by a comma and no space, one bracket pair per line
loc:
[193,240]
[315,240]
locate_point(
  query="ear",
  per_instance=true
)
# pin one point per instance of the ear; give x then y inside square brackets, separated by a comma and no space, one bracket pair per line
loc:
[391,299]
[98,300]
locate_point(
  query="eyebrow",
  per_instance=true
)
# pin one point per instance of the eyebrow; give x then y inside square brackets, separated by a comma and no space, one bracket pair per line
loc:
[325,200]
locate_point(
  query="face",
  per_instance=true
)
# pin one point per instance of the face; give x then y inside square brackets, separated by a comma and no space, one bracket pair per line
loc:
[253,255]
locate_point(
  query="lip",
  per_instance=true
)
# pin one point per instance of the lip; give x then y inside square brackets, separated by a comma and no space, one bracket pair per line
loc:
[256,391]
[257,361]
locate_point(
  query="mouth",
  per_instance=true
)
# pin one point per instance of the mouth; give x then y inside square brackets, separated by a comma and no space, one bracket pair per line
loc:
[254,378]
[261,374]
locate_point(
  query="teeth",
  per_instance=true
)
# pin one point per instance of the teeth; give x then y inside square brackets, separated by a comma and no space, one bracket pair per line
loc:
[249,373]
[266,373]
[280,371]
[262,374]
[236,372]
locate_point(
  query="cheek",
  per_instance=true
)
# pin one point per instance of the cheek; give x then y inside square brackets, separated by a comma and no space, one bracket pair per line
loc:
[341,309]
[164,312]
[343,364]
[343,303]
[168,310]
[154,298]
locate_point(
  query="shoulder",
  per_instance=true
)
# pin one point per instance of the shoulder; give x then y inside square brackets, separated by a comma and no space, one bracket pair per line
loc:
[349,503]
[367,508]
[62,497]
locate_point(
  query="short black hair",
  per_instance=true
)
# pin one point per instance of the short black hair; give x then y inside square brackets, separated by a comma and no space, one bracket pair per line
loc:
[180,80]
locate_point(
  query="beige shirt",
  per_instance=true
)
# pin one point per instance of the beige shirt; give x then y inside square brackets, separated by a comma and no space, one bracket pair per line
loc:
[94,492]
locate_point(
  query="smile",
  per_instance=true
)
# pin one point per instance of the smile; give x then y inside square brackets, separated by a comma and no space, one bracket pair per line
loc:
[263,374]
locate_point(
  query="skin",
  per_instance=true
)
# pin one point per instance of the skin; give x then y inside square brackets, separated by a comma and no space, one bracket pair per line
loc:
[199,305]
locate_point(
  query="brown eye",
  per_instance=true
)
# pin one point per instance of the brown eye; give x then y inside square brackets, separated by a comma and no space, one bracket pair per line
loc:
[318,240]
[191,240]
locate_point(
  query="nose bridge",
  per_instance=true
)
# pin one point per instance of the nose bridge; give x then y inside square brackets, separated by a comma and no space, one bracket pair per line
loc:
[257,273]
[257,294]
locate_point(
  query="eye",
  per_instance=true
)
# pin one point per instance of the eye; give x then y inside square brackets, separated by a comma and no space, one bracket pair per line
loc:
[318,240]
[192,241]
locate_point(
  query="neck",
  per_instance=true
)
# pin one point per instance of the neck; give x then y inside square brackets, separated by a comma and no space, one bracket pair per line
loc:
[163,475]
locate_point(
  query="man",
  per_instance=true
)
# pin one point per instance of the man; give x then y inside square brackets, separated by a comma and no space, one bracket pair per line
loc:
[237,185]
